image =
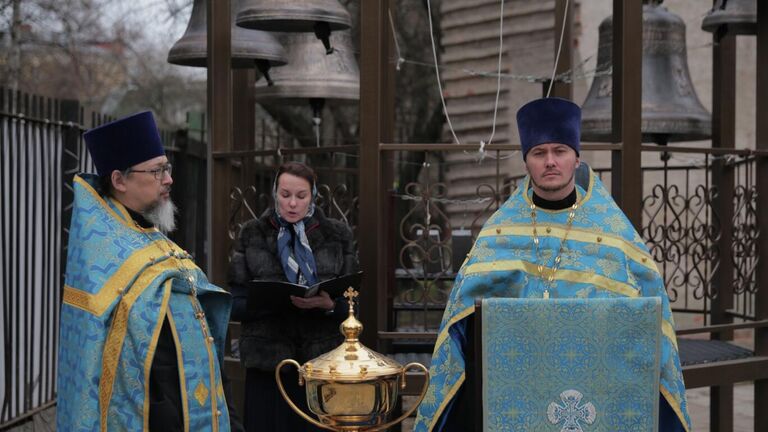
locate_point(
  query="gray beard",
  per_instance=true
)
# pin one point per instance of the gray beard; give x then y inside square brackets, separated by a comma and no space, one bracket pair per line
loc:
[162,215]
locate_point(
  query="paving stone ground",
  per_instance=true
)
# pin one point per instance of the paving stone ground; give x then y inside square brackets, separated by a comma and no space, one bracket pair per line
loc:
[743,411]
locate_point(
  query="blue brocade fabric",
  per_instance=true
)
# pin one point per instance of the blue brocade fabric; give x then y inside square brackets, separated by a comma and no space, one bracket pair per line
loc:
[571,365]
[603,257]
[121,283]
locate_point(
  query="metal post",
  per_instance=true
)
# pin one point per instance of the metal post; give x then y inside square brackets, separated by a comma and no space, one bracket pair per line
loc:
[370,242]
[387,133]
[219,137]
[565,64]
[70,112]
[627,98]
[761,137]
[723,136]
[243,121]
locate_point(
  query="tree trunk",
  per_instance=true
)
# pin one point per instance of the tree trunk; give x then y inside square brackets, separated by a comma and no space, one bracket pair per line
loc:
[14,62]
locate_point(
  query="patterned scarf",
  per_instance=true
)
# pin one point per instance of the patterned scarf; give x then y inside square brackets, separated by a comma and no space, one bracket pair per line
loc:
[293,246]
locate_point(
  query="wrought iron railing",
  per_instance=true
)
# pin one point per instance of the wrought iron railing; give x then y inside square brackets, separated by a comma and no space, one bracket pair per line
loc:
[41,149]
[37,155]
[683,210]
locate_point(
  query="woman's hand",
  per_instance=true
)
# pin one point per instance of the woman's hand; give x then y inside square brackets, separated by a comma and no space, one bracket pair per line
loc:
[320,301]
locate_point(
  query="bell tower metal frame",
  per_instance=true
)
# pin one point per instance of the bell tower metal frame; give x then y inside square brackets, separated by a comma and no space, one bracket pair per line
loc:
[376,133]
[376,107]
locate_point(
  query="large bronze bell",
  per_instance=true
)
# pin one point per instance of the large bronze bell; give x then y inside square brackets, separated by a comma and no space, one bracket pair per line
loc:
[312,74]
[671,111]
[249,47]
[732,16]
[313,77]
[296,16]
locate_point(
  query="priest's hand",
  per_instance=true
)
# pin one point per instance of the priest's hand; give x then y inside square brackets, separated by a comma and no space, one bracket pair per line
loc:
[320,301]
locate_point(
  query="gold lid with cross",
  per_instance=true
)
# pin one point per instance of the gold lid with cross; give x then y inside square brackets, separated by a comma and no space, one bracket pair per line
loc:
[351,360]
[352,387]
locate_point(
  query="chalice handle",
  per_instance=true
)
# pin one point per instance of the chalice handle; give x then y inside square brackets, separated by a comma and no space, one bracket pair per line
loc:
[288,398]
[415,406]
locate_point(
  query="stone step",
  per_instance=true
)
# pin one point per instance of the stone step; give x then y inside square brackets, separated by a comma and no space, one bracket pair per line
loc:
[469,107]
[470,171]
[476,124]
[487,69]
[459,160]
[485,33]
[487,13]
[474,137]
[464,89]
[448,6]
[466,56]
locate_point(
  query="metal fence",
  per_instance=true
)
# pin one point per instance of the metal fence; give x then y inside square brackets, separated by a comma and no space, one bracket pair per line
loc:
[38,154]
[41,149]
[699,223]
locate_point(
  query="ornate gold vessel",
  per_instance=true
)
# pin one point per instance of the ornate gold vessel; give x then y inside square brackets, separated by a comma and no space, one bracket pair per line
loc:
[352,388]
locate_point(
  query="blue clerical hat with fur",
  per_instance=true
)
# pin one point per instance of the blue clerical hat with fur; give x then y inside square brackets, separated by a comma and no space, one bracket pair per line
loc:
[549,120]
[123,143]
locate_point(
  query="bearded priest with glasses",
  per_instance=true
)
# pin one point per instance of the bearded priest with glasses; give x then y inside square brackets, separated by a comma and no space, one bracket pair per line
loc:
[561,245]
[142,330]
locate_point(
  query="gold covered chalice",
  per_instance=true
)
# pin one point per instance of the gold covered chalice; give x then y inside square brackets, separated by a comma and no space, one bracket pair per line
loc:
[352,388]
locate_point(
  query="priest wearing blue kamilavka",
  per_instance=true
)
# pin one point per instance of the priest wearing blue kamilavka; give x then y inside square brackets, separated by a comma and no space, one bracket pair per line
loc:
[560,235]
[142,329]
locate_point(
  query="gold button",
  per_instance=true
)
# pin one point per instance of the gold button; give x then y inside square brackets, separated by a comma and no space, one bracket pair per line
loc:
[199,315]
[191,279]
[549,230]
[599,239]
[152,259]
[210,339]
[645,259]
[120,290]
[498,230]
[218,413]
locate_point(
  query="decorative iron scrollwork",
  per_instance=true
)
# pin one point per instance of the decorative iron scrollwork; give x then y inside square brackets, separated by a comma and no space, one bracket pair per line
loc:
[681,232]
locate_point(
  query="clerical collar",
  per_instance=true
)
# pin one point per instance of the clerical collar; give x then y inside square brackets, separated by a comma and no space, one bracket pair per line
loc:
[555,205]
[141,220]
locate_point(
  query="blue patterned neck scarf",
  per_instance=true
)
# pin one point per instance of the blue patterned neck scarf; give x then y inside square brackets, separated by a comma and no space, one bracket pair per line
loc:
[293,246]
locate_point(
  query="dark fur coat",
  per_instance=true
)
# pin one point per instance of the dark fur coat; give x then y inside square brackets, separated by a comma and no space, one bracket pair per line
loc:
[270,335]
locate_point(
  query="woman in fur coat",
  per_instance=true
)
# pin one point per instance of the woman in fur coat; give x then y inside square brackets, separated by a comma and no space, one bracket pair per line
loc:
[292,242]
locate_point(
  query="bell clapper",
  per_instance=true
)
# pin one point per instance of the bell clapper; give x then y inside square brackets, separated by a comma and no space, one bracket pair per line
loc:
[263,66]
[317,105]
[323,32]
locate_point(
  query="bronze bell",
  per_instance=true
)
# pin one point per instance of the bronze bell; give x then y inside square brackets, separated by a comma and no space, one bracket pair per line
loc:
[312,74]
[671,111]
[732,16]
[249,47]
[313,77]
[298,16]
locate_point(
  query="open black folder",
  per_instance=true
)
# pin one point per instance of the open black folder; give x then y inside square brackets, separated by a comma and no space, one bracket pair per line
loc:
[277,292]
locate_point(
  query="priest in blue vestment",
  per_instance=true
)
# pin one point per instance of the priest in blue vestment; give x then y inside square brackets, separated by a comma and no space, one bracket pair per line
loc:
[142,330]
[556,237]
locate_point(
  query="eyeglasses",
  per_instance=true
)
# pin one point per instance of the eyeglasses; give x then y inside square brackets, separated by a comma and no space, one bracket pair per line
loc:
[159,173]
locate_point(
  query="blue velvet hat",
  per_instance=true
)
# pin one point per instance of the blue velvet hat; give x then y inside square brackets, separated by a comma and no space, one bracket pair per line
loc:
[123,143]
[549,120]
